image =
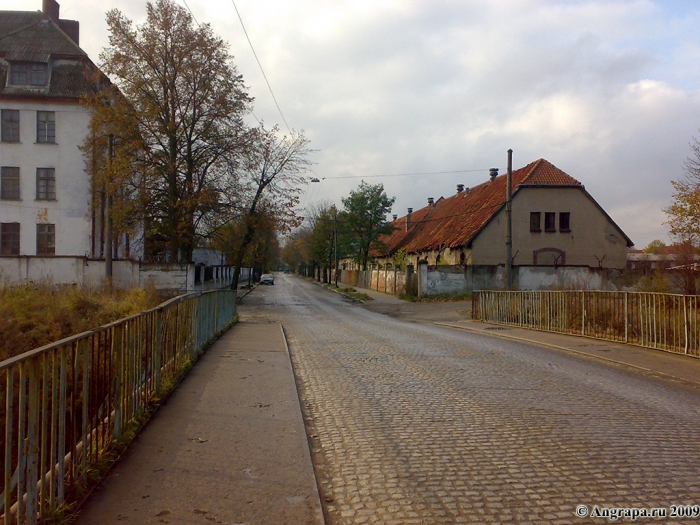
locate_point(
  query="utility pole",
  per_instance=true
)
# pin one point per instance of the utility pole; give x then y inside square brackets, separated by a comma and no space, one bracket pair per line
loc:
[108,212]
[335,242]
[509,222]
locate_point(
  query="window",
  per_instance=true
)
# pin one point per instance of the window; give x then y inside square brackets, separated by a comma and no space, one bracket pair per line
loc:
[45,184]
[564,221]
[9,238]
[9,183]
[535,221]
[10,125]
[28,74]
[46,126]
[549,221]
[46,239]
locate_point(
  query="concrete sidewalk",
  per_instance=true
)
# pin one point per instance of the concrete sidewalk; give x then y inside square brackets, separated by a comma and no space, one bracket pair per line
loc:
[228,447]
[676,366]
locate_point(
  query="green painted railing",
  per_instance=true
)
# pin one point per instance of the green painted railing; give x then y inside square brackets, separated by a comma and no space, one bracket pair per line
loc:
[655,320]
[67,404]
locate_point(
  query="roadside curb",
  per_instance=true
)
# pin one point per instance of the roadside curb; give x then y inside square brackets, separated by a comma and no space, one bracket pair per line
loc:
[320,513]
[569,350]
[239,299]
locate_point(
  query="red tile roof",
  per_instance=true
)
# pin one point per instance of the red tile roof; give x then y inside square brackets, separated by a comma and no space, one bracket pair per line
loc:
[454,221]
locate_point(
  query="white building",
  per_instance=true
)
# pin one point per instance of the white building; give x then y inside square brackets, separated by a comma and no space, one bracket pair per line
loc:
[48,208]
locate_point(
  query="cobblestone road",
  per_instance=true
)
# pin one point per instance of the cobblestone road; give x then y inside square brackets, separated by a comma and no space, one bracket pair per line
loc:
[419,424]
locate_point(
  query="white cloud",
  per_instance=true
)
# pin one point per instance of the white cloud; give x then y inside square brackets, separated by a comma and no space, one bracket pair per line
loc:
[608,90]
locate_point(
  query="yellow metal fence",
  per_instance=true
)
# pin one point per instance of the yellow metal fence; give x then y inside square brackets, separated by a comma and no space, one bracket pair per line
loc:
[66,404]
[663,321]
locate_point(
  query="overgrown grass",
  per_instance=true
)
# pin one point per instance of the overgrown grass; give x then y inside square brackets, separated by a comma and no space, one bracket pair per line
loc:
[36,315]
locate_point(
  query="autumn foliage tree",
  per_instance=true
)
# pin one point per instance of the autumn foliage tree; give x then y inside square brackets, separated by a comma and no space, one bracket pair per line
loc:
[684,211]
[684,222]
[185,101]
[267,183]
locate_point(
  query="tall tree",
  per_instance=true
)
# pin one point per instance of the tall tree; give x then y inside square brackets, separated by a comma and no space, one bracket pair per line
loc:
[268,184]
[366,209]
[327,239]
[188,100]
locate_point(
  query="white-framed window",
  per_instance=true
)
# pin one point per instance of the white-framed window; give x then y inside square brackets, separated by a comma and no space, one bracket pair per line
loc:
[46,126]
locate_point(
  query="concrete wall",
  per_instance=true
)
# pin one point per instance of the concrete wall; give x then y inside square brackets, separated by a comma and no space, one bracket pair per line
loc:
[453,280]
[387,281]
[125,273]
[593,240]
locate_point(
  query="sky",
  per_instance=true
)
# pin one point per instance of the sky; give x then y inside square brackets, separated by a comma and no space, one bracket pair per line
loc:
[607,90]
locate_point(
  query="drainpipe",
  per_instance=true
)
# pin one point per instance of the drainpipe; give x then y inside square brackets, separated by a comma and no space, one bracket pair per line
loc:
[509,222]
[108,240]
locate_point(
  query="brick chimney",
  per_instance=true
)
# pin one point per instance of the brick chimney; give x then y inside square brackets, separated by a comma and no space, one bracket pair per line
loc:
[460,188]
[431,200]
[408,218]
[51,9]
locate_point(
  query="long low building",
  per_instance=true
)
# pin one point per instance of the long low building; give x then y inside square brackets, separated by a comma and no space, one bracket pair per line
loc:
[555,222]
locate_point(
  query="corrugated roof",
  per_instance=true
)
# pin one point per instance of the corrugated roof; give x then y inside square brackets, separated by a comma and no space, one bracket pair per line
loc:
[37,41]
[13,20]
[454,221]
[25,36]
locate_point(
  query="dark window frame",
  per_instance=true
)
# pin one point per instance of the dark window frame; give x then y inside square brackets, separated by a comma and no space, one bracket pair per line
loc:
[46,184]
[9,183]
[550,221]
[35,74]
[535,221]
[46,127]
[10,125]
[565,221]
[46,239]
[9,238]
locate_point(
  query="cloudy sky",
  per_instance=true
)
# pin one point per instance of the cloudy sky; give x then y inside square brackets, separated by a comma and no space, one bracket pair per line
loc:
[608,90]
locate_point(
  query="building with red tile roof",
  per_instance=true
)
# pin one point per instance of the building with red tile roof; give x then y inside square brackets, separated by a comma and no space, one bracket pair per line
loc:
[556,222]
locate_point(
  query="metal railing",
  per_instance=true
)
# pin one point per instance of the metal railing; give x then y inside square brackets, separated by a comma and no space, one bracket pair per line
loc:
[67,404]
[663,321]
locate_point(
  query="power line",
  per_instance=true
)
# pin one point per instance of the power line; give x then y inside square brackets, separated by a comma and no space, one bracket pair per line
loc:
[260,66]
[191,13]
[407,174]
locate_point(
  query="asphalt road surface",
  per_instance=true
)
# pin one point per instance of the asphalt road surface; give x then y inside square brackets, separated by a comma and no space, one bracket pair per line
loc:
[413,423]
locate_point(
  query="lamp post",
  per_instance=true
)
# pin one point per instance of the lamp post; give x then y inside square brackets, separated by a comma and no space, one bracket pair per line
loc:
[335,242]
